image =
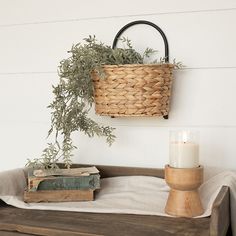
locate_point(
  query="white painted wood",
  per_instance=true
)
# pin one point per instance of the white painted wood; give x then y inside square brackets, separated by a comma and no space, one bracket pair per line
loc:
[36,35]
[24,98]
[199,98]
[143,146]
[208,40]
[149,147]
[20,141]
[27,11]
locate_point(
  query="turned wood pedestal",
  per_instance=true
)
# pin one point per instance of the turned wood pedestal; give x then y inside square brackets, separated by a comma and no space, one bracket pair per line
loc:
[184,198]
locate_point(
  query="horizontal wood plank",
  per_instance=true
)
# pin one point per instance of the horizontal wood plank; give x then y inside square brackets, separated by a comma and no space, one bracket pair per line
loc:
[189,101]
[74,223]
[135,146]
[12,233]
[114,171]
[36,42]
[26,11]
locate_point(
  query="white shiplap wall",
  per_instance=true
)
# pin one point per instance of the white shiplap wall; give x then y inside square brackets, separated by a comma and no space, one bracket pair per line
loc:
[35,36]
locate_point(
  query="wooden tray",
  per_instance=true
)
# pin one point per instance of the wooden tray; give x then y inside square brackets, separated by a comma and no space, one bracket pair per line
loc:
[17,222]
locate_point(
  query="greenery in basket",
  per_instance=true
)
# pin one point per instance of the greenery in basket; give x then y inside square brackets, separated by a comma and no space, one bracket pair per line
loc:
[73,97]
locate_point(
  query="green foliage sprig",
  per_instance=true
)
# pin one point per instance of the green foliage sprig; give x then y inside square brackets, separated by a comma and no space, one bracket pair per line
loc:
[73,97]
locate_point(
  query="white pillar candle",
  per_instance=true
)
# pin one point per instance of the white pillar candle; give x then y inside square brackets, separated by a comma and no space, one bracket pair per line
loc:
[184,150]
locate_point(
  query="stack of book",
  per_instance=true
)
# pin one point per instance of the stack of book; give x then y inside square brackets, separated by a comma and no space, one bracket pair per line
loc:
[62,185]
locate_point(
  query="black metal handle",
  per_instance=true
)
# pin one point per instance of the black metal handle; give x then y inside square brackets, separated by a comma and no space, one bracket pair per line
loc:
[147,23]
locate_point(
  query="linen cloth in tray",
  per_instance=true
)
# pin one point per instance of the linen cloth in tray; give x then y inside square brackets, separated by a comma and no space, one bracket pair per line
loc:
[127,194]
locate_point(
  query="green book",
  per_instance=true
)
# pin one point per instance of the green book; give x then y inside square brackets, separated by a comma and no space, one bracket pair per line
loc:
[83,182]
[71,183]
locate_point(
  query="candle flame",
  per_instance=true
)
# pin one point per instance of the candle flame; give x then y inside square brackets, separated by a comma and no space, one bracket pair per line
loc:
[185,137]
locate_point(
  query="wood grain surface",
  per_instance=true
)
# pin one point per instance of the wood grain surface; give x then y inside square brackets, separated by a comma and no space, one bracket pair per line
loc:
[220,217]
[114,171]
[59,223]
[184,199]
[59,196]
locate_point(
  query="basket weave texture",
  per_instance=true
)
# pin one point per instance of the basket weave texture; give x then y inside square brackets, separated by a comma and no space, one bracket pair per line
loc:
[133,90]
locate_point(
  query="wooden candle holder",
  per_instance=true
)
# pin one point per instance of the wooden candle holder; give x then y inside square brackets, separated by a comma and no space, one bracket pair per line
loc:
[184,198]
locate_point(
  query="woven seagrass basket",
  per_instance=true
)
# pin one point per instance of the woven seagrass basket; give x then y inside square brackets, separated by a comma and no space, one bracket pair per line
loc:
[134,89]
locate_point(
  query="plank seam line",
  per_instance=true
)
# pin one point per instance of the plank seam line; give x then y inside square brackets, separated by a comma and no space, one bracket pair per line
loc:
[116,16]
[55,72]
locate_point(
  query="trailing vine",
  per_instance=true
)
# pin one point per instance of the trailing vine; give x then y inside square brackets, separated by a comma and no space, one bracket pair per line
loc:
[73,97]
